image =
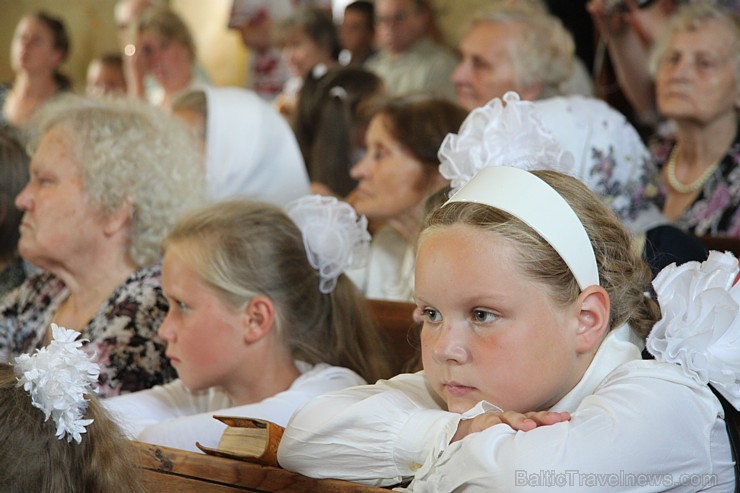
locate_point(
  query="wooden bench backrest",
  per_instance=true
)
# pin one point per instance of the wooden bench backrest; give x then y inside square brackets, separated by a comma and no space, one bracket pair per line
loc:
[168,470]
[396,323]
[722,244]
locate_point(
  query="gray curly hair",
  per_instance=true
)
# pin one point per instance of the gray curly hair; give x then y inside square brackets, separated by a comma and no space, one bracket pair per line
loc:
[690,17]
[545,54]
[129,154]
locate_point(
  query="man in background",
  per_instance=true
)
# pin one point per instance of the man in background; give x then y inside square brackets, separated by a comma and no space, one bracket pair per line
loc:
[408,59]
[357,33]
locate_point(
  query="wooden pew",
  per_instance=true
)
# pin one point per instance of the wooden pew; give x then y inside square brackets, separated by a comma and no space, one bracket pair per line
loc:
[401,334]
[168,470]
[722,244]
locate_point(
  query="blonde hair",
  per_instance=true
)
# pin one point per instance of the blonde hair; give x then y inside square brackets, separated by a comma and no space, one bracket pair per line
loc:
[34,459]
[622,272]
[545,54]
[246,248]
[165,23]
[130,153]
[690,17]
[193,99]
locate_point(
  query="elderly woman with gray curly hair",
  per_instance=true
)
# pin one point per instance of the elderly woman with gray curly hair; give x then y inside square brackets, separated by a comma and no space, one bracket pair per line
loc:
[108,180]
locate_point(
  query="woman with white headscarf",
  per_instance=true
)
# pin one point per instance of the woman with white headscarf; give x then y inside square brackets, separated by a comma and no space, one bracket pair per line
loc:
[249,149]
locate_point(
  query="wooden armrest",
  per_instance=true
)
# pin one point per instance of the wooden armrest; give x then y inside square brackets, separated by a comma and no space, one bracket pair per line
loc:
[168,470]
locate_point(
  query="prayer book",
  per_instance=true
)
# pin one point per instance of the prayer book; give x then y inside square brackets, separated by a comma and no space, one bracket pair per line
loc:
[248,439]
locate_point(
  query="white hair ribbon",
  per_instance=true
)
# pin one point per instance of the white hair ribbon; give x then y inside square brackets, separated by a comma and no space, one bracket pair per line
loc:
[335,237]
[527,197]
[57,378]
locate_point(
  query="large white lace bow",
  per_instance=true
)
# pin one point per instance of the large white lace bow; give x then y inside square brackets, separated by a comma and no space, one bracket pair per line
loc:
[336,239]
[58,377]
[500,135]
[700,328]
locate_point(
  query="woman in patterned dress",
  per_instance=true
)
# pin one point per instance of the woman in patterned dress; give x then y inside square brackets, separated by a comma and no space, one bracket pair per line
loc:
[697,80]
[108,180]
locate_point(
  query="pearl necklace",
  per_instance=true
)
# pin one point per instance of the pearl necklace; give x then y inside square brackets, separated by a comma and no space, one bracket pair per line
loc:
[685,187]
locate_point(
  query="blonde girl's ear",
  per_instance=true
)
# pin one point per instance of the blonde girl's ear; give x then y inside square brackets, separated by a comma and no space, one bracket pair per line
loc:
[593,318]
[259,318]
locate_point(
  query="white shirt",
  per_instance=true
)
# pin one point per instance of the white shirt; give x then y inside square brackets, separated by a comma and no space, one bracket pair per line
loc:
[424,67]
[173,416]
[633,421]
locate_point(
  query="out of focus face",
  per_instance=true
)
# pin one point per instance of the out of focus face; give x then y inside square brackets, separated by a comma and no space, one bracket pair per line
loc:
[202,331]
[60,228]
[399,24]
[486,69]
[391,180]
[32,48]
[257,33]
[696,77]
[105,80]
[356,33]
[490,333]
[302,53]
[167,60]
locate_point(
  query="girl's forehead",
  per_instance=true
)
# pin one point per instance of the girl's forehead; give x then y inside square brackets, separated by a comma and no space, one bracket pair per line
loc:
[478,243]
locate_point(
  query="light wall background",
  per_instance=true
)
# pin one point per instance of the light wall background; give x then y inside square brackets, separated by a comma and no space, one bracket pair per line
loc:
[93,32]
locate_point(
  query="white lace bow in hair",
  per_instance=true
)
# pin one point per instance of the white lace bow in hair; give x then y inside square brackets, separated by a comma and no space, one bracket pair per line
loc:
[336,239]
[700,328]
[500,135]
[57,378]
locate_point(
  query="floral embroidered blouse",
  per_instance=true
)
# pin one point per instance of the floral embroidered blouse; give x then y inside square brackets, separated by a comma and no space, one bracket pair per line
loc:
[122,335]
[716,210]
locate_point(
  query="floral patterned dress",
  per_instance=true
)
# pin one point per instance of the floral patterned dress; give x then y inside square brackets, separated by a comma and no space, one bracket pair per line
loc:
[716,210]
[122,335]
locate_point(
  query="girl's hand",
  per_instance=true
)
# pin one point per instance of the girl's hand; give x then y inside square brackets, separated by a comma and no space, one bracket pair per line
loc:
[517,421]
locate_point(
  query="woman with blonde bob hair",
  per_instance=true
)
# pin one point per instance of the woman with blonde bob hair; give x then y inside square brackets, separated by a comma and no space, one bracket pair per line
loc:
[534,313]
[261,318]
[165,50]
[108,181]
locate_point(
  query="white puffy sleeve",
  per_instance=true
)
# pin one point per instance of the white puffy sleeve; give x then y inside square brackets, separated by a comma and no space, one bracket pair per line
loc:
[375,434]
[136,411]
[636,433]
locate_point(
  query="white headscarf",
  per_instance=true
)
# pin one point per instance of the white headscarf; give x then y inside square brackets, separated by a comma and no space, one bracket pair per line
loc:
[251,150]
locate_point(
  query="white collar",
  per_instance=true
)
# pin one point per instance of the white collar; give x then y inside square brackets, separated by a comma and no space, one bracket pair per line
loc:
[619,347]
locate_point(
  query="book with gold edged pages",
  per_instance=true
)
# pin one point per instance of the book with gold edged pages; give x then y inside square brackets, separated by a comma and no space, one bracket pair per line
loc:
[248,439]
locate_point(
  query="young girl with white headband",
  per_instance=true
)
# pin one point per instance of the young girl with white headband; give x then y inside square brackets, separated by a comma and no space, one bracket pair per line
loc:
[261,318]
[533,302]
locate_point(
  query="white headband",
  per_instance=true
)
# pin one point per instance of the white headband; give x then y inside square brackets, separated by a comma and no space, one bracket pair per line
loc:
[528,198]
